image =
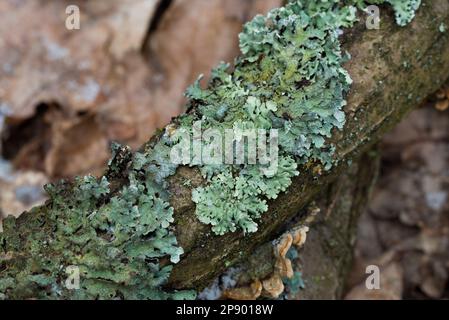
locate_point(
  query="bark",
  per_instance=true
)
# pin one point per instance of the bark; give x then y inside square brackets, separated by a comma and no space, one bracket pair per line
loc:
[326,257]
[393,70]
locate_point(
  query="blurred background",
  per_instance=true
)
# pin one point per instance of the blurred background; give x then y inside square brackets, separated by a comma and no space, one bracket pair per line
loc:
[66,94]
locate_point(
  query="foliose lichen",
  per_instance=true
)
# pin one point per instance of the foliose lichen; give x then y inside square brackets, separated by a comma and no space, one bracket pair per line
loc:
[117,239]
[404,10]
[289,77]
[288,57]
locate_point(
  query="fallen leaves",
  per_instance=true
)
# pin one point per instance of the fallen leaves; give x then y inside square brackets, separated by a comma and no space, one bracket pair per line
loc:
[112,80]
[391,285]
[407,214]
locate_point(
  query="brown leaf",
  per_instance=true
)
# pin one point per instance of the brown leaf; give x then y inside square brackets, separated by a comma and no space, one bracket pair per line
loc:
[391,286]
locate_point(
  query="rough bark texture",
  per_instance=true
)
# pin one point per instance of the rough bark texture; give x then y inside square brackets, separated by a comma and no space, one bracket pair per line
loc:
[393,70]
[332,217]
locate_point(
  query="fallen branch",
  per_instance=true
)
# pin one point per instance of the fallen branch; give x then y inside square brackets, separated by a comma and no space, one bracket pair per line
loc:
[393,69]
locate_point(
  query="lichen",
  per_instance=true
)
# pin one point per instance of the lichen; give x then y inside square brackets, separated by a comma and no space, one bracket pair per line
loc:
[290,78]
[287,59]
[233,200]
[116,238]
[404,10]
[120,235]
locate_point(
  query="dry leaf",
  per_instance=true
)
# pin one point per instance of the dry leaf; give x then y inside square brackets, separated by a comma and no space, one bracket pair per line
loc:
[391,286]
[110,80]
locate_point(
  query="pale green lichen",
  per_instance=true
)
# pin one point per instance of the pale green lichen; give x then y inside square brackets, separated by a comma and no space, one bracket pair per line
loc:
[404,10]
[116,238]
[234,199]
[287,59]
[289,77]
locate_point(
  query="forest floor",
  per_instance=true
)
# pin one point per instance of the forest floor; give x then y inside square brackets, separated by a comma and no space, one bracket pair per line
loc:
[405,228]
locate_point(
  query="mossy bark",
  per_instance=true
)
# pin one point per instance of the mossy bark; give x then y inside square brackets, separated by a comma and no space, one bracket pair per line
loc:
[393,69]
[326,257]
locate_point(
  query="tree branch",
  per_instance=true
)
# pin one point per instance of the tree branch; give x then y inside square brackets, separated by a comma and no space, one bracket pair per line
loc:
[393,69]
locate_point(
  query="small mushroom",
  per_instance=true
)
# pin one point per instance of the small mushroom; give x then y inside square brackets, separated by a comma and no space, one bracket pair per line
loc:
[251,292]
[300,236]
[284,267]
[285,242]
[273,286]
[442,105]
